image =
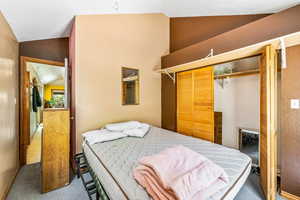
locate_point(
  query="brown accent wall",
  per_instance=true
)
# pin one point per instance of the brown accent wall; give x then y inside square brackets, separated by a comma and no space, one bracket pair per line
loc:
[267,28]
[168,103]
[185,31]
[51,49]
[9,107]
[290,124]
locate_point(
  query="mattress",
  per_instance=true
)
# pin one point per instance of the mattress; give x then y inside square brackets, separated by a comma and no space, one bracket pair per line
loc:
[113,162]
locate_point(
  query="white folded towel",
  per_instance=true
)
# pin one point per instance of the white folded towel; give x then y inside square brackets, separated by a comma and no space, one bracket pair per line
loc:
[123,126]
[103,135]
[116,131]
[138,132]
[92,133]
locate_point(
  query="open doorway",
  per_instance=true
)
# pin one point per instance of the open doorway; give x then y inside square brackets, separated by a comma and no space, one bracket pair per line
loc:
[240,106]
[47,91]
[43,86]
[237,103]
[237,110]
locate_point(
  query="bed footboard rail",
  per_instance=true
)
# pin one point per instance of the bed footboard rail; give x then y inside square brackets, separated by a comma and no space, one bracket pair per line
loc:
[83,172]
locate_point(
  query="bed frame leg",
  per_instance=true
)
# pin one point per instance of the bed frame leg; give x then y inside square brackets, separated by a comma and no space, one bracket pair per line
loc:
[97,196]
[78,176]
[77,159]
[82,168]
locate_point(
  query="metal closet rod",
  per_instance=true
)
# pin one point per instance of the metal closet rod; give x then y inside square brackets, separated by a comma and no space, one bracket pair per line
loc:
[237,74]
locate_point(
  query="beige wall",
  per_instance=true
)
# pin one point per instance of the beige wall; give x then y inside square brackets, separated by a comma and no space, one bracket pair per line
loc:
[8,106]
[104,44]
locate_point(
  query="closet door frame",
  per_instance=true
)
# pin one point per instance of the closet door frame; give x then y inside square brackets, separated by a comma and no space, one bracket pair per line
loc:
[268,122]
[268,101]
[24,110]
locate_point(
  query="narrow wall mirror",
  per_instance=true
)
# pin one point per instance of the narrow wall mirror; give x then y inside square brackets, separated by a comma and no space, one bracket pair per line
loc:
[130,86]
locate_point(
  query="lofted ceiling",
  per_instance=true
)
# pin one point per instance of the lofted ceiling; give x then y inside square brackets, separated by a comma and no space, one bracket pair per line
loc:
[34,20]
[49,74]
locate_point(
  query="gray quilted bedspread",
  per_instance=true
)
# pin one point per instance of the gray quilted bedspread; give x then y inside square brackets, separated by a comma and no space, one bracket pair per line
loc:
[114,161]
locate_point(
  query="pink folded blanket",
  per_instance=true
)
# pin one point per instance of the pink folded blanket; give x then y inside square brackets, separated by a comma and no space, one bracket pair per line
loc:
[179,173]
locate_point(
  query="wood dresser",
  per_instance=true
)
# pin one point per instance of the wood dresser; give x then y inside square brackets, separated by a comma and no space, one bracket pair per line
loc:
[55,161]
[218,127]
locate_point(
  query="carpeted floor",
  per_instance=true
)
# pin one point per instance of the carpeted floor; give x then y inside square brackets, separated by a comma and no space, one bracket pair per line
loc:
[27,187]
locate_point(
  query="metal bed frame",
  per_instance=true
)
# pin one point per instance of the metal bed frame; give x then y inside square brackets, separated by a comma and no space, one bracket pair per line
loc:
[89,179]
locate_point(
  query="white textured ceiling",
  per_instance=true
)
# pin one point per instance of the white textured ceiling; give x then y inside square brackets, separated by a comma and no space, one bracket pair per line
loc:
[226,7]
[49,74]
[44,19]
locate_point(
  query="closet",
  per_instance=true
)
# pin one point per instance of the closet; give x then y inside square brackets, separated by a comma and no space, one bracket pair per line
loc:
[195,103]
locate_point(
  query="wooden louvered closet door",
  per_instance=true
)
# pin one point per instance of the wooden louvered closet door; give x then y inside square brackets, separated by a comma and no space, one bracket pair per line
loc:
[185,102]
[203,109]
[195,103]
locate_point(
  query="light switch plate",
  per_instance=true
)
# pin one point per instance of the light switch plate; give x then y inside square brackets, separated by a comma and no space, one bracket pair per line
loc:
[295,104]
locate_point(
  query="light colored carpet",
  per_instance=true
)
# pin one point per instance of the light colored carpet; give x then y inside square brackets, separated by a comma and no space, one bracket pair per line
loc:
[252,190]
[27,187]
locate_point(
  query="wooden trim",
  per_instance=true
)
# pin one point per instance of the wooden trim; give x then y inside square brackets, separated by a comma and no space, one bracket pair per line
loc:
[238,74]
[9,186]
[215,60]
[24,138]
[42,61]
[72,94]
[289,196]
[268,122]
[24,112]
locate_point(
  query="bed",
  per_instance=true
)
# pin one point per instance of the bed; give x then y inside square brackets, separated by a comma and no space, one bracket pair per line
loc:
[112,163]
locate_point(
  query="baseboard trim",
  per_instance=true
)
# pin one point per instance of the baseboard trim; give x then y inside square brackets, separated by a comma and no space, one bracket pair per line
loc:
[6,191]
[289,196]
